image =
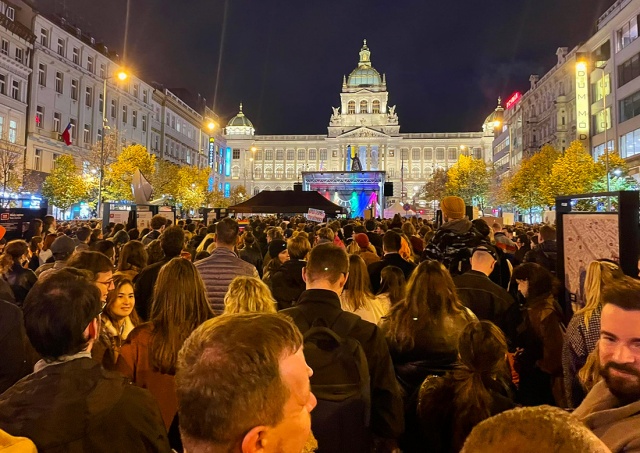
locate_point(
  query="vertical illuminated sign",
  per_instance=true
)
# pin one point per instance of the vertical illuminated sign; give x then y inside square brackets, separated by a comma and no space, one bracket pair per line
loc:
[582,102]
[227,189]
[212,152]
[221,166]
[227,162]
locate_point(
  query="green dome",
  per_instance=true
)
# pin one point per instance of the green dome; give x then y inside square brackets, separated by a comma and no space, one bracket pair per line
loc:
[364,76]
[240,120]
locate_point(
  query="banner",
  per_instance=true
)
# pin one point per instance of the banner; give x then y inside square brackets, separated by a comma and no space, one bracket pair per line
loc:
[315,215]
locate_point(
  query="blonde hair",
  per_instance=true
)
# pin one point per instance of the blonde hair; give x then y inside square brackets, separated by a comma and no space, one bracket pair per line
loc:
[200,247]
[358,286]
[599,274]
[248,294]
[589,374]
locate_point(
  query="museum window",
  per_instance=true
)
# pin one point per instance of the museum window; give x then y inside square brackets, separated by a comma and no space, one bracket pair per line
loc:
[268,154]
[404,154]
[268,173]
[323,154]
[279,154]
[279,173]
[312,154]
[364,107]
[236,154]
[301,154]
[415,154]
[415,173]
[453,153]
[428,154]
[290,154]
[289,174]
[439,153]
[477,153]
[257,173]
[375,107]
[259,155]
[351,107]
[235,172]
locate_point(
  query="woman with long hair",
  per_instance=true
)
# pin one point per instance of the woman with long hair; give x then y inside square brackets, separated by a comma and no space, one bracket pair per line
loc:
[423,329]
[583,330]
[251,252]
[279,255]
[133,258]
[357,296]
[118,319]
[478,388]
[248,294]
[149,356]
[392,287]
[35,229]
[13,269]
[539,338]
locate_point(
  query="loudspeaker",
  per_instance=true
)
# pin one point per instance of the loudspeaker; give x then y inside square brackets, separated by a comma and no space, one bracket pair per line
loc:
[388,189]
[469,212]
[297,187]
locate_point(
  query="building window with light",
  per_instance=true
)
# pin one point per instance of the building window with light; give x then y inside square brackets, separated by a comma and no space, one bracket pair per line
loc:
[453,153]
[37,160]
[279,154]
[428,154]
[268,173]
[236,154]
[364,107]
[268,154]
[351,107]
[415,154]
[301,154]
[323,154]
[259,155]
[415,173]
[375,108]
[257,173]
[134,118]
[86,134]
[627,34]
[312,154]
[439,153]
[125,110]
[290,154]
[279,173]
[39,116]
[601,121]
[289,173]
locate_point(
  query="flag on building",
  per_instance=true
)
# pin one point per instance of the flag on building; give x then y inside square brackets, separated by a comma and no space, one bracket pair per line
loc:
[66,135]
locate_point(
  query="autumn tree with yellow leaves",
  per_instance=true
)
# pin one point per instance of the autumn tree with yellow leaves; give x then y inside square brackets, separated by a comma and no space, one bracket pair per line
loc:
[119,174]
[65,186]
[469,179]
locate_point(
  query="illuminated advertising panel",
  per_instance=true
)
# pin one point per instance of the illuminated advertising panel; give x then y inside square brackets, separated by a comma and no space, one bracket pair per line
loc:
[212,152]
[227,162]
[582,101]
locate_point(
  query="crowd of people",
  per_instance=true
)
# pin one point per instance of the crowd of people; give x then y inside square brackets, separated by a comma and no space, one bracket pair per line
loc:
[382,335]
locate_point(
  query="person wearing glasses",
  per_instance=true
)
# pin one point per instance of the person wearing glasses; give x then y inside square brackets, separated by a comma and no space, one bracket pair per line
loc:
[100,267]
[70,402]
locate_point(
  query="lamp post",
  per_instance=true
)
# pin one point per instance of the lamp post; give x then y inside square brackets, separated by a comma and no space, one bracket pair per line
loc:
[121,75]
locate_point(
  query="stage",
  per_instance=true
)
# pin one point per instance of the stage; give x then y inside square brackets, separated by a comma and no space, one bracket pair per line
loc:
[356,191]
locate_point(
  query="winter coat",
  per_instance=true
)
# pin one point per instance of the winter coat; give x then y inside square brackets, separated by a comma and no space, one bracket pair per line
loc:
[452,245]
[286,283]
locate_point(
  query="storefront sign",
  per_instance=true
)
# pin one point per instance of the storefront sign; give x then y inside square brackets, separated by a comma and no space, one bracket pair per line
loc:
[513,100]
[582,101]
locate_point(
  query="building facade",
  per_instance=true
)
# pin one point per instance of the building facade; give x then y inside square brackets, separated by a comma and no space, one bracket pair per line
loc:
[592,94]
[363,126]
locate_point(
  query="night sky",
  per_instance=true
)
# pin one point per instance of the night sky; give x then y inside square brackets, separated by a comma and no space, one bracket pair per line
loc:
[284,59]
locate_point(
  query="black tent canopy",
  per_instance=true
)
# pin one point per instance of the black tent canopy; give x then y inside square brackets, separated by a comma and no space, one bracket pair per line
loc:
[286,202]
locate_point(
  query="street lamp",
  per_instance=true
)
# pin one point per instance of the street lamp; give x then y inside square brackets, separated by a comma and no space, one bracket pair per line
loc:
[120,75]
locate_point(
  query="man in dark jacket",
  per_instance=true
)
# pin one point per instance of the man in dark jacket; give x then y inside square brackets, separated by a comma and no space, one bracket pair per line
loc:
[172,242]
[454,240]
[546,252]
[325,275]
[478,293]
[391,243]
[287,283]
[158,224]
[374,237]
[70,403]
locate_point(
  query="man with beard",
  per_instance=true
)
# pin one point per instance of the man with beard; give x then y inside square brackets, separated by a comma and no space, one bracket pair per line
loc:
[612,408]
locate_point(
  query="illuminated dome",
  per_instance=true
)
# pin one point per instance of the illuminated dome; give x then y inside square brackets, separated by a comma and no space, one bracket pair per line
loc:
[364,74]
[240,125]
[240,120]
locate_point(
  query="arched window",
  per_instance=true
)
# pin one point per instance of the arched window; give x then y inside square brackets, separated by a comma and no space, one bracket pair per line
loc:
[278,187]
[323,154]
[279,154]
[235,172]
[259,154]
[256,190]
[301,154]
[268,154]
[289,174]
[268,173]
[257,173]
[415,173]
[290,154]
[376,107]
[351,107]
[415,154]
[279,173]
[312,154]
[364,107]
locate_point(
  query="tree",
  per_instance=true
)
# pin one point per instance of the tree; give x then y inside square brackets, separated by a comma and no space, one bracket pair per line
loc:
[238,195]
[573,172]
[119,174]
[469,179]
[435,189]
[64,186]
[216,199]
[619,178]
[525,187]
[11,166]
[165,180]
[191,187]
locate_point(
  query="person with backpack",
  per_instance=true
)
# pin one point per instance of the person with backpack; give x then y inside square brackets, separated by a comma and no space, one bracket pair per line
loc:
[359,399]
[546,252]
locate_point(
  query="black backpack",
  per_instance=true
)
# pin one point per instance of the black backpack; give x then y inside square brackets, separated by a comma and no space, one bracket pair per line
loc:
[340,383]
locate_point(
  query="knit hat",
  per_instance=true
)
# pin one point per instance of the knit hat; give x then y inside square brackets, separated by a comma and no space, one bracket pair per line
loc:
[362,240]
[276,246]
[453,208]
